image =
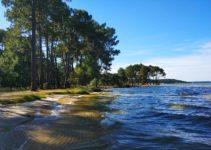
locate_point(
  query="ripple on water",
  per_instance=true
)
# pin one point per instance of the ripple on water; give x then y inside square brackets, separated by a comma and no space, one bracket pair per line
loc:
[179,116]
[158,117]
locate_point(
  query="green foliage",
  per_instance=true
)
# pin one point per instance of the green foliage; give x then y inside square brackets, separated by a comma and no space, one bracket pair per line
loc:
[144,74]
[94,83]
[2,38]
[133,75]
[122,76]
[53,46]
[79,90]
[8,75]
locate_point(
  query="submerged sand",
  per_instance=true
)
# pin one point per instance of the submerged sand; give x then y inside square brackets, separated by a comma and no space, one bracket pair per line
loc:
[208,96]
[58,122]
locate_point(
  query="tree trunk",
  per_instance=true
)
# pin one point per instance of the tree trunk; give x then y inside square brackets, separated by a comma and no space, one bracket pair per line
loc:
[41,60]
[52,65]
[47,58]
[33,45]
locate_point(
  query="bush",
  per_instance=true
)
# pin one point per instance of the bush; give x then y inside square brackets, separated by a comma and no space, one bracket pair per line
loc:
[94,83]
[80,90]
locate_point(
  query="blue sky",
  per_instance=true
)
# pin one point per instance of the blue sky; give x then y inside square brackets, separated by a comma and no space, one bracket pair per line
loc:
[173,34]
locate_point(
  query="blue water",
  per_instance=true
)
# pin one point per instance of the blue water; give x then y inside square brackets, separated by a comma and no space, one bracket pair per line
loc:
[161,117]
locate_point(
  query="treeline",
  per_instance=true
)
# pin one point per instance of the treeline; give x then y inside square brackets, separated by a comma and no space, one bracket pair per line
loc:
[50,45]
[171,81]
[134,75]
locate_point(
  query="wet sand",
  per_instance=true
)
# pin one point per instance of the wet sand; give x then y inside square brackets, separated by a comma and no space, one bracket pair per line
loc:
[208,96]
[58,122]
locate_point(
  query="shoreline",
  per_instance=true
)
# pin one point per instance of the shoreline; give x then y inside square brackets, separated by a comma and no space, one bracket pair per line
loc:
[16,97]
[64,115]
[20,113]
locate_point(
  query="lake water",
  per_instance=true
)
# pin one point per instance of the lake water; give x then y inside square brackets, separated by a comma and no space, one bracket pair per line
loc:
[155,117]
[164,117]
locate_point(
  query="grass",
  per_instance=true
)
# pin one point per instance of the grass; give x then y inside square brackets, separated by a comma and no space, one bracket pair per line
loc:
[19,97]
[75,91]
[14,97]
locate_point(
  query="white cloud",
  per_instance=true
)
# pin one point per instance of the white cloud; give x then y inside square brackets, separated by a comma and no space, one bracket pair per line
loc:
[194,67]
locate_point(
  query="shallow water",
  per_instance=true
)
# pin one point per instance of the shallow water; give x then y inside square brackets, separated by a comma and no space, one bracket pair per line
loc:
[159,117]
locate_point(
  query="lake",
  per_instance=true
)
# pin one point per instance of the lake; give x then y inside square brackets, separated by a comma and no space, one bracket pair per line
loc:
[154,117]
[164,117]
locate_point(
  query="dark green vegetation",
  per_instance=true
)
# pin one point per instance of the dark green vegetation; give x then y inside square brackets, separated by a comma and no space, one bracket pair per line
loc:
[171,81]
[50,45]
[201,82]
[134,75]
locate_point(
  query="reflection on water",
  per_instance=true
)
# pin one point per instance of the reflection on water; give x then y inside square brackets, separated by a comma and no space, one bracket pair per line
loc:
[159,117]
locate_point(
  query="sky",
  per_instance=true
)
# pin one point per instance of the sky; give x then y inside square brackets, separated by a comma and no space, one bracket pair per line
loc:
[172,34]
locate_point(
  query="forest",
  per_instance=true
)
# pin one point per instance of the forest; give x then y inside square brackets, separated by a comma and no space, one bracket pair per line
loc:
[50,45]
[134,75]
